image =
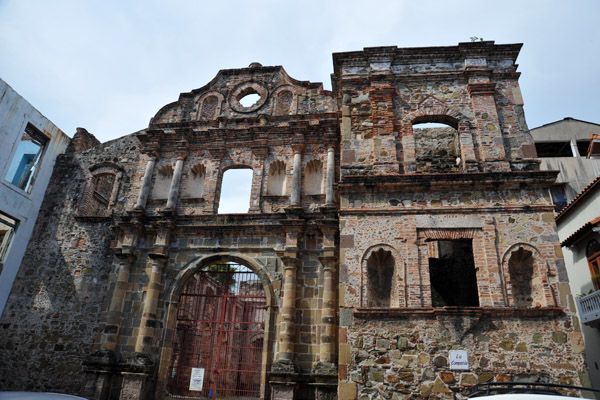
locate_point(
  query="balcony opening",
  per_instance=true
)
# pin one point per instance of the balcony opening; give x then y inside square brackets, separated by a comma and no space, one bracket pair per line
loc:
[437,148]
[452,274]
[236,187]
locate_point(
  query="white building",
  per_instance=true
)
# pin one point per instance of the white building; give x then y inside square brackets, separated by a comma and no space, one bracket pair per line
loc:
[563,145]
[29,145]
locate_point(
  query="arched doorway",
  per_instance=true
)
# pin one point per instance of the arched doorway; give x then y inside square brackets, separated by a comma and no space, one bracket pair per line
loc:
[219,334]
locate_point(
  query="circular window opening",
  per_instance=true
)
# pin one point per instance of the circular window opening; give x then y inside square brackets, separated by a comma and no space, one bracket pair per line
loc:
[249,99]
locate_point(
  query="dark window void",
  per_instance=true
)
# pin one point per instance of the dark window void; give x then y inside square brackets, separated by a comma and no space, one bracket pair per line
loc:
[520,269]
[559,197]
[582,147]
[8,226]
[380,273]
[436,147]
[554,149]
[452,275]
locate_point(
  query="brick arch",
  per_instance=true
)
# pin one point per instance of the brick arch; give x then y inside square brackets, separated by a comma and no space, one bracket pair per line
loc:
[173,293]
[200,103]
[86,205]
[396,292]
[434,110]
[541,291]
[277,108]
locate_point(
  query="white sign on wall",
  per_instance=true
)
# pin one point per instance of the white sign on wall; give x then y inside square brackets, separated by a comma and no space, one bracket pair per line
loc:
[459,359]
[197,379]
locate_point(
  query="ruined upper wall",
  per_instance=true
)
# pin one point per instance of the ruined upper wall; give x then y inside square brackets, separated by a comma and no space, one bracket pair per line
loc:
[473,87]
[280,95]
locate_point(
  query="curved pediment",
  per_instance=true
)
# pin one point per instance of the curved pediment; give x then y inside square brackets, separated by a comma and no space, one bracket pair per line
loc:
[271,91]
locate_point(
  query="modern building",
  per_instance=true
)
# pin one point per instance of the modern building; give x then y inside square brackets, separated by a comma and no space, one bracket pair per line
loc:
[29,145]
[579,231]
[378,256]
[563,146]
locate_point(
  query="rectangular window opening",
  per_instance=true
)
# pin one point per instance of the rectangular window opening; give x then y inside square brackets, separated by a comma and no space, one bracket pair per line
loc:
[554,149]
[452,274]
[559,197]
[25,162]
[582,147]
[8,226]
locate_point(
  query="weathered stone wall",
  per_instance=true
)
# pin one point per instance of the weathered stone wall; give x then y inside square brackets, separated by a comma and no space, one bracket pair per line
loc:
[400,197]
[407,356]
[53,315]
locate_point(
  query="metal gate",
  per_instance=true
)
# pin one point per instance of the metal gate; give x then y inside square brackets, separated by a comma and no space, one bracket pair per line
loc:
[218,343]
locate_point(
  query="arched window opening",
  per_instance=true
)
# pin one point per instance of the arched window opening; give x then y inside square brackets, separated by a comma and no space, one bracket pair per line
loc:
[521,271]
[437,148]
[219,334]
[380,273]
[313,177]
[193,187]
[592,252]
[102,188]
[236,187]
[452,274]
[209,107]
[277,178]
[162,182]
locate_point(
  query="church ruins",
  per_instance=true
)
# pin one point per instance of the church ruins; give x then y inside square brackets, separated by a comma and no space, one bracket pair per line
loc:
[373,256]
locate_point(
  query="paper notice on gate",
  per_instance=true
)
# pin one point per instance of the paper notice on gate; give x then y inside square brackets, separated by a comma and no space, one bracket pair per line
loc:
[197,379]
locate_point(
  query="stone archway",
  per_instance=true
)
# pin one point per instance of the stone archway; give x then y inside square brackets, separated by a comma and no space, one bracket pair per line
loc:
[220,323]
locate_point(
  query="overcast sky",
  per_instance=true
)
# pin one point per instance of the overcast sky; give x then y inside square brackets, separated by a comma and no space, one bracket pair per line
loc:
[109,66]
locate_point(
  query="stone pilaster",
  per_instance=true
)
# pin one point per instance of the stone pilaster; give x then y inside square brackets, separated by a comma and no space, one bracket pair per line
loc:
[149,321]
[110,336]
[482,90]
[145,189]
[154,268]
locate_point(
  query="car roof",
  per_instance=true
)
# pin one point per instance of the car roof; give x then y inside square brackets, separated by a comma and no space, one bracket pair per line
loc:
[37,396]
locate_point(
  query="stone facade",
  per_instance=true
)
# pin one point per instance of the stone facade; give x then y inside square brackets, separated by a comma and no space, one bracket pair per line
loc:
[356,224]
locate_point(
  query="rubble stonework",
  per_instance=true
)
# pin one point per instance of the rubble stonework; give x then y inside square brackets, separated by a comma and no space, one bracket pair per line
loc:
[353,217]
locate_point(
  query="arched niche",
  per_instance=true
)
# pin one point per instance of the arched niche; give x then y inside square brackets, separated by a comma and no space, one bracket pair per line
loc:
[526,277]
[381,277]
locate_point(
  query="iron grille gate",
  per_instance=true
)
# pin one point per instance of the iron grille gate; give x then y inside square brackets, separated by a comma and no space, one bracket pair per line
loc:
[220,329]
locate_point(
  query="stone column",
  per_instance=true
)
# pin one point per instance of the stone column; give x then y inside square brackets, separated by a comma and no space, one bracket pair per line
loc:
[174,188]
[330,175]
[143,196]
[149,320]
[296,175]
[110,336]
